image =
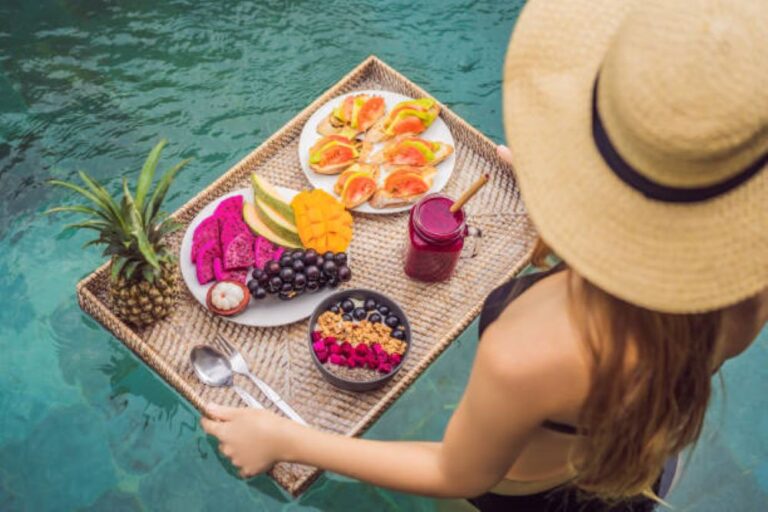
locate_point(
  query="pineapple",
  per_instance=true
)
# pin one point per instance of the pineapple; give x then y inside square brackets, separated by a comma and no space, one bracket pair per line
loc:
[143,284]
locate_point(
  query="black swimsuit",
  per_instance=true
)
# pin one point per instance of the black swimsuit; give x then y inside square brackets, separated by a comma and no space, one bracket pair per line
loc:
[563,498]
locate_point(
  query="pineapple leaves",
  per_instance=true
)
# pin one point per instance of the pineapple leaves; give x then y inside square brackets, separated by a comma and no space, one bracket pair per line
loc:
[148,275]
[118,263]
[147,173]
[130,268]
[138,233]
[78,209]
[130,228]
[158,196]
[109,203]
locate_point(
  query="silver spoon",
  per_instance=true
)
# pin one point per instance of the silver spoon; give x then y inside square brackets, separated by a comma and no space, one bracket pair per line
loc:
[214,369]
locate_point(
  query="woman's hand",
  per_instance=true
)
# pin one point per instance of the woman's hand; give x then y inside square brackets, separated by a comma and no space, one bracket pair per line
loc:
[253,439]
[504,153]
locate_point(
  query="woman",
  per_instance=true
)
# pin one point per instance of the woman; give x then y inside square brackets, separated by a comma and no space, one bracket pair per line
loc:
[639,134]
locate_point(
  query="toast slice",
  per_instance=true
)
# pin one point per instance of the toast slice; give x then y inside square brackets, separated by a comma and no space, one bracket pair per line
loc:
[373,170]
[332,154]
[404,150]
[393,194]
[353,116]
[423,112]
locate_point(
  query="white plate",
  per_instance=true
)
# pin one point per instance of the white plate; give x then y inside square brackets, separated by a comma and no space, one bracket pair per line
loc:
[437,131]
[261,313]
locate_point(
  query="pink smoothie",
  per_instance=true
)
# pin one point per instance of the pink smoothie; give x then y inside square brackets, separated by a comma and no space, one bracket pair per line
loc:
[435,239]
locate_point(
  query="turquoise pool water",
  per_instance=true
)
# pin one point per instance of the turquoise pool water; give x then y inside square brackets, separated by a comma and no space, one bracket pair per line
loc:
[92,85]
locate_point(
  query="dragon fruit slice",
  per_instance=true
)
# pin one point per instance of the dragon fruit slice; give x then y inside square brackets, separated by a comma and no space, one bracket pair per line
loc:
[231,226]
[204,262]
[238,274]
[238,252]
[230,206]
[263,251]
[221,274]
[206,231]
[278,252]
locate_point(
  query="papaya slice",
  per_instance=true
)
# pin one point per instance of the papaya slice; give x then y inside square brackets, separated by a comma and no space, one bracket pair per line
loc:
[402,183]
[370,112]
[371,169]
[408,125]
[358,188]
[406,154]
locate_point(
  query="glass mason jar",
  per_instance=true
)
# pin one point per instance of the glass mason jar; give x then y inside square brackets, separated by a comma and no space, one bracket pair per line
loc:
[435,239]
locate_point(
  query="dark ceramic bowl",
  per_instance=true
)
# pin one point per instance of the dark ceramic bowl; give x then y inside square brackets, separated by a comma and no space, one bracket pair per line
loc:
[359,294]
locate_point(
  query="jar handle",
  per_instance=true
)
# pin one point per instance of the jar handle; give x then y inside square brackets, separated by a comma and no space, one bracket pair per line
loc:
[470,250]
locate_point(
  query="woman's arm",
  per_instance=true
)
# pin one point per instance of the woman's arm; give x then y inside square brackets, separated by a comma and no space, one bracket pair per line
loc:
[505,399]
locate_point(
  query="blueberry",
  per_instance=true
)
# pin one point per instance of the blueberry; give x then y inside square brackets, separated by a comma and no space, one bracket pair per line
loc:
[384,310]
[259,293]
[369,304]
[347,305]
[346,317]
[359,313]
[398,334]
[344,274]
[329,268]
[374,318]
[392,321]
[272,268]
[287,275]
[298,266]
[334,309]
[300,281]
[340,258]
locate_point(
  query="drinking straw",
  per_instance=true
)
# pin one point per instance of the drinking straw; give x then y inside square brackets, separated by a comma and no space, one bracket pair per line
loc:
[471,191]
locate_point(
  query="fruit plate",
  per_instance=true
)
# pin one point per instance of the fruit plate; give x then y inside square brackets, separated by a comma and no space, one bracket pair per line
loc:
[439,131]
[268,312]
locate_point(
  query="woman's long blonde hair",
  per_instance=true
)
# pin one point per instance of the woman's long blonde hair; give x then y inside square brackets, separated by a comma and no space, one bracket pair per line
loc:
[650,385]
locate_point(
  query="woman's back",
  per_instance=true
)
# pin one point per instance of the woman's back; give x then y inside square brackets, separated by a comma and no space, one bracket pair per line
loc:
[538,305]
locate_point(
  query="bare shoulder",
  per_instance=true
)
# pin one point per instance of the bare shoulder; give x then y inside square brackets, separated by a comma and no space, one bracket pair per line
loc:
[534,347]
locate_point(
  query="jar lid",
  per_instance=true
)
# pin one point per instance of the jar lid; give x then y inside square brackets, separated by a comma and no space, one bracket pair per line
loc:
[434,221]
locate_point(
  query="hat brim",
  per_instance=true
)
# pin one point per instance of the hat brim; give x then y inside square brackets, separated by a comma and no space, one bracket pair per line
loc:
[677,258]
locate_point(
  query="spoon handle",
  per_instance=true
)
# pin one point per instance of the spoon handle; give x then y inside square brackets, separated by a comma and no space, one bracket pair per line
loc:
[247,398]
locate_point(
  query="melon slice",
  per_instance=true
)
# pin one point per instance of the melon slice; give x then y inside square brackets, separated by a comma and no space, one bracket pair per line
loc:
[276,222]
[204,262]
[257,226]
[206,231]
[264,190]
[238,252]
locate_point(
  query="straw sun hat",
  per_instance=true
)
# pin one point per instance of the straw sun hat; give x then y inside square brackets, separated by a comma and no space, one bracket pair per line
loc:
[639,135]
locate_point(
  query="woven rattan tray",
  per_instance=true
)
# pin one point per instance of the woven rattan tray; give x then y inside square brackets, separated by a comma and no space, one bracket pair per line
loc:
[438,312]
